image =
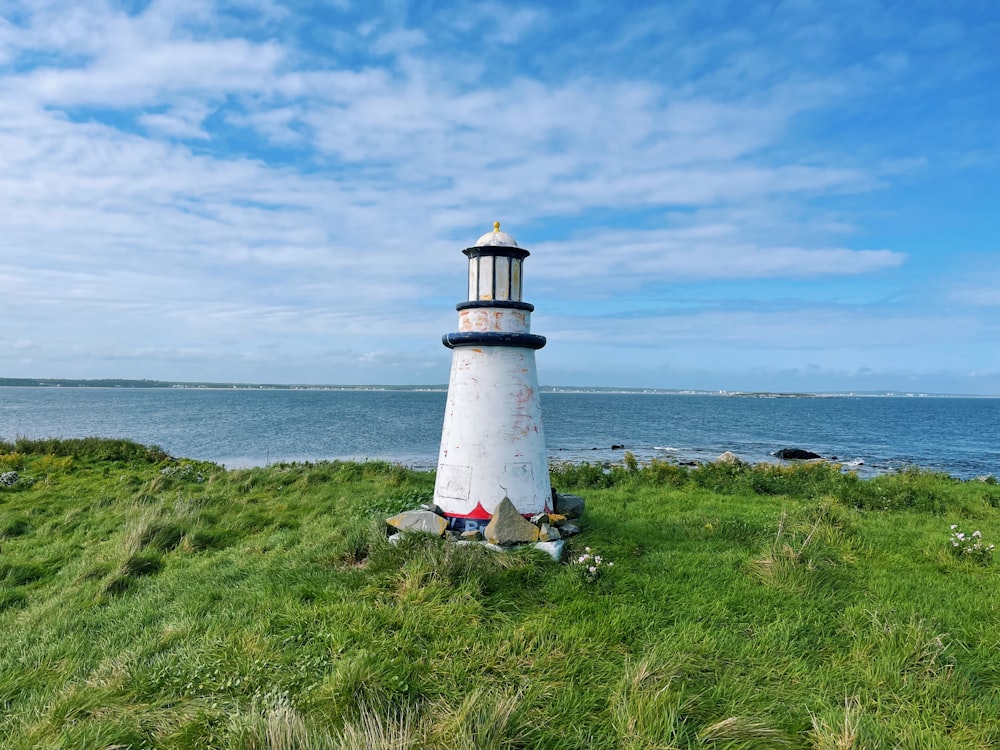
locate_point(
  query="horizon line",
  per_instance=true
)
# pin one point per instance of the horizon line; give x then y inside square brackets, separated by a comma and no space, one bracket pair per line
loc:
[239,385]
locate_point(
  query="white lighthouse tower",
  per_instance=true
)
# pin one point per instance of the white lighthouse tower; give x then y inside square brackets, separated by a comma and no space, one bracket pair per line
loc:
[492,442]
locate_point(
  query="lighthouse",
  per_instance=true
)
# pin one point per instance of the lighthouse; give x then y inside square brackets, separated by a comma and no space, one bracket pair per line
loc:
[492,441]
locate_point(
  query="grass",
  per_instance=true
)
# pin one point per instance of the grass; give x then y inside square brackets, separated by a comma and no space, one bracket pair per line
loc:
[148,602]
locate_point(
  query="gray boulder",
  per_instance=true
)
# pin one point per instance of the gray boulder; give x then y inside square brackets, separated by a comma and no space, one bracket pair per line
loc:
[509,527]
[423,521]
[553,549]
[571,506]
[547,533]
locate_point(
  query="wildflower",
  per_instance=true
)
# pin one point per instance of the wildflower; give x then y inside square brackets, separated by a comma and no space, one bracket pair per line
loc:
[970,546]
[590,565]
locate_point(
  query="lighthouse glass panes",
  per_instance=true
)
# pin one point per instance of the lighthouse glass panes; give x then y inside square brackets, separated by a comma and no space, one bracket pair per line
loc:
[492,441]
[494,277]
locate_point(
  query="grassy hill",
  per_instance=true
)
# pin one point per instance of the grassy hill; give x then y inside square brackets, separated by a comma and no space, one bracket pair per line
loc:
[148,602]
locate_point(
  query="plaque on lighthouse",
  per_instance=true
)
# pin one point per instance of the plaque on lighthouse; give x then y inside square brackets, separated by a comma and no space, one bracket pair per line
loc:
[492,441]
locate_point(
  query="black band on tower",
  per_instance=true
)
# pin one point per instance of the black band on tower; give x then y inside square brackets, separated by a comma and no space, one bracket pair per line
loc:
[484,338]
[501,303]
[494,250]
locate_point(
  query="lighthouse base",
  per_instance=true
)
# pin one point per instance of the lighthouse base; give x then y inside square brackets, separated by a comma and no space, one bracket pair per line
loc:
[492,442]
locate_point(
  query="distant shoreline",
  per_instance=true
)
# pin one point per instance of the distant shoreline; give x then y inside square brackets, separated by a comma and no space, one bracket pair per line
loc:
[442,388]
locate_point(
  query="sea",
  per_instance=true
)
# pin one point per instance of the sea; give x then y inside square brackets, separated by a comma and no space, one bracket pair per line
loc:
[242,427]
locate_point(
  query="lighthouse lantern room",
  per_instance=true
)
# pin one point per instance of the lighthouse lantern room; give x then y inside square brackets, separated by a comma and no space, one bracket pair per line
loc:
[492,442]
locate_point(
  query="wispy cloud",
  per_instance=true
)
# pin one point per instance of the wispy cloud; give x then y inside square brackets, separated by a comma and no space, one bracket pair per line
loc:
[213,174]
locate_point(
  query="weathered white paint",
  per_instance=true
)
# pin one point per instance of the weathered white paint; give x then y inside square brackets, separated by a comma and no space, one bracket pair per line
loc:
[501,278]
[496,238]
[494,319]
[515,279]
[492,441]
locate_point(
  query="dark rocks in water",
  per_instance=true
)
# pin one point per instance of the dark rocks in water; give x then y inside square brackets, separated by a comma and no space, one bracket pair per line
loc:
[616,447]
[795,454]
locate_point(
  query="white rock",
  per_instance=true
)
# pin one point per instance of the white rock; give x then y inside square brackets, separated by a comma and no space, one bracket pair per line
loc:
[552,549]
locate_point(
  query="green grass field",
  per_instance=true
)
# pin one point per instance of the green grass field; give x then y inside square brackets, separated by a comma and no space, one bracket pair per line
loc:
[147,602]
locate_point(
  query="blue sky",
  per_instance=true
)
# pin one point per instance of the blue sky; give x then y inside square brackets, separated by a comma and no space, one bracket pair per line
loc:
[742,196]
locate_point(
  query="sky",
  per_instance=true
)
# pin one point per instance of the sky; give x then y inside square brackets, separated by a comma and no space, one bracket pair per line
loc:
[779,196]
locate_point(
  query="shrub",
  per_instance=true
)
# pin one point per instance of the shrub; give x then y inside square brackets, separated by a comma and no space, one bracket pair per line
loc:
[912,488]
[575,476]
[663,473]
[11,461]
[49,464]
[93,448]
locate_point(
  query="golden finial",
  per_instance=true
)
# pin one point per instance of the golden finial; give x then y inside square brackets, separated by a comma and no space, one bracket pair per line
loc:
[496,226]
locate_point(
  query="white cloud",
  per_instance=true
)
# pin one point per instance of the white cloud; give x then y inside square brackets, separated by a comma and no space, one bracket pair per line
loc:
[194,171]
[180,121]
[984,297]
[599,262]
[399,42]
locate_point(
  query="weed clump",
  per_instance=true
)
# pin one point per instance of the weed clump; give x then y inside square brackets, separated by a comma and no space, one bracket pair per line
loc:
[21,573]
[14,527]
[970,546]
[93,449]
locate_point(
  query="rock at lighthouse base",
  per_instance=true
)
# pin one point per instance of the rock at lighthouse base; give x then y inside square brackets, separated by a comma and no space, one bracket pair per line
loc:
[423,521]
[553,549]
[571,506]
[509,527]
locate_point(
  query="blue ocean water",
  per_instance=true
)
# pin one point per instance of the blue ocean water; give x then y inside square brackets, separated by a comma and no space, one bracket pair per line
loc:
[959,436]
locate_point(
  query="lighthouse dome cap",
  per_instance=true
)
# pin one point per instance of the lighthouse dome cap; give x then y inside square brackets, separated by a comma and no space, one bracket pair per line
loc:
[496,238]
